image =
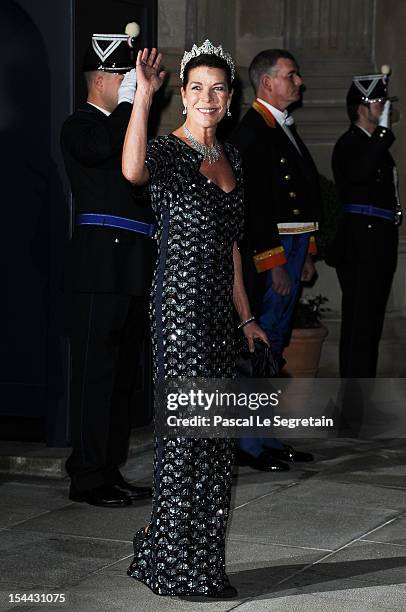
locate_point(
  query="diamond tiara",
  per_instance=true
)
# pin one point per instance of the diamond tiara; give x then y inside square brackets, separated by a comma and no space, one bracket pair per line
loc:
[207,48]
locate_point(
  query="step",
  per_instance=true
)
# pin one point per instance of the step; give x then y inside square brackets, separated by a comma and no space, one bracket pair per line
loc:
[37,459]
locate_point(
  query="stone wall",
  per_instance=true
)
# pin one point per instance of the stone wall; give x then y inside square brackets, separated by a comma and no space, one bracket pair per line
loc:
[390,49]
[332,40]
[171,23]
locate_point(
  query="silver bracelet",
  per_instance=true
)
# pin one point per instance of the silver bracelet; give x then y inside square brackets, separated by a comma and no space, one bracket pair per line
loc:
[244,323]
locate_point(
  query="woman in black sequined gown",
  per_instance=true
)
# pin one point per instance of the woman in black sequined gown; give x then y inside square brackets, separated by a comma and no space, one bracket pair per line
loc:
[199,213]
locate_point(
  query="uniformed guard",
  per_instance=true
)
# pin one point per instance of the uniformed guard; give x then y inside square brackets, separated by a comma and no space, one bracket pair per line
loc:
[283,207]
[365,249]
[108,273]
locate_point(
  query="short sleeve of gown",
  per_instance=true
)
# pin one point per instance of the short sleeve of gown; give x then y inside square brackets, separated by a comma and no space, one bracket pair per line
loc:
[158,159]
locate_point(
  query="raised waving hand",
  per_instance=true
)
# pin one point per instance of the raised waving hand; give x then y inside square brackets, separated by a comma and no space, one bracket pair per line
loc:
[149,74]
[149,79]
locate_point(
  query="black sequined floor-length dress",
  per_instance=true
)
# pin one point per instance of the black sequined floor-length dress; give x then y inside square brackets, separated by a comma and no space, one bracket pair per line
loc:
[183,552]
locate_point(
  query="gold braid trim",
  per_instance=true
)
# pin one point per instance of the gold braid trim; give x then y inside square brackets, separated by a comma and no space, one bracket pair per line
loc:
[302,229]
[270,253]
[265,113]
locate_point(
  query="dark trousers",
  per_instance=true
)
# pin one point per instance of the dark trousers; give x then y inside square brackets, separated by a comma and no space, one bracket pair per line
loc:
[365,281]
[107,334]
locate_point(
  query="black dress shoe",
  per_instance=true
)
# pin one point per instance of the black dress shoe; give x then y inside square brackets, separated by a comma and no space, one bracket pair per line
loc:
[133,492]
[107,497]
[264,462]
[287,453]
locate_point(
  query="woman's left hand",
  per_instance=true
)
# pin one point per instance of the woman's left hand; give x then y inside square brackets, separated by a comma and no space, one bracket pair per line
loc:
[252,331]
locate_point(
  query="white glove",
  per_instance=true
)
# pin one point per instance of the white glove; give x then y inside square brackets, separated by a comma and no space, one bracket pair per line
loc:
[126,91]
[384,119]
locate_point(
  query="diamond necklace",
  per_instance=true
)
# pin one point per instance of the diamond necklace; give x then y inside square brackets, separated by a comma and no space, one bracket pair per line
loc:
[211,154]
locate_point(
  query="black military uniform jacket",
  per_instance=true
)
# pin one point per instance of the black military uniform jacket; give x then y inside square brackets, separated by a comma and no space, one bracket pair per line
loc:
[363,173]
[104,259]
[363,168]
[280,185]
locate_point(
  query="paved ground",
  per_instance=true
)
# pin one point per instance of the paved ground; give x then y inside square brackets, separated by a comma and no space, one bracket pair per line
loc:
[327,536]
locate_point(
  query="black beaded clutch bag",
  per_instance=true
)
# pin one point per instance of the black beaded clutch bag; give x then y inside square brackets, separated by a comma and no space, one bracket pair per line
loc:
[259,364]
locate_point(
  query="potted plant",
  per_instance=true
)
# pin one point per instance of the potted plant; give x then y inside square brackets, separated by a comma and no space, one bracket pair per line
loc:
[303,352]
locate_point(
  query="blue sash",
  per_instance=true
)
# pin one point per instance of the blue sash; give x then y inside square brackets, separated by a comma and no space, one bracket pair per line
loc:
[148,229]
[373,211]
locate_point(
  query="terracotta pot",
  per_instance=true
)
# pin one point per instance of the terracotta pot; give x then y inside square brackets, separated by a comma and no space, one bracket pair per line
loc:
[304,350]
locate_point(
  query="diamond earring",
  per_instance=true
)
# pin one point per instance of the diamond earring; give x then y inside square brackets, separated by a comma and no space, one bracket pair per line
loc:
[228,112]
[184,112]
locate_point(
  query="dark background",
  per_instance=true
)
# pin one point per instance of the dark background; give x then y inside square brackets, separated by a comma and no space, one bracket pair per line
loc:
[42,43]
